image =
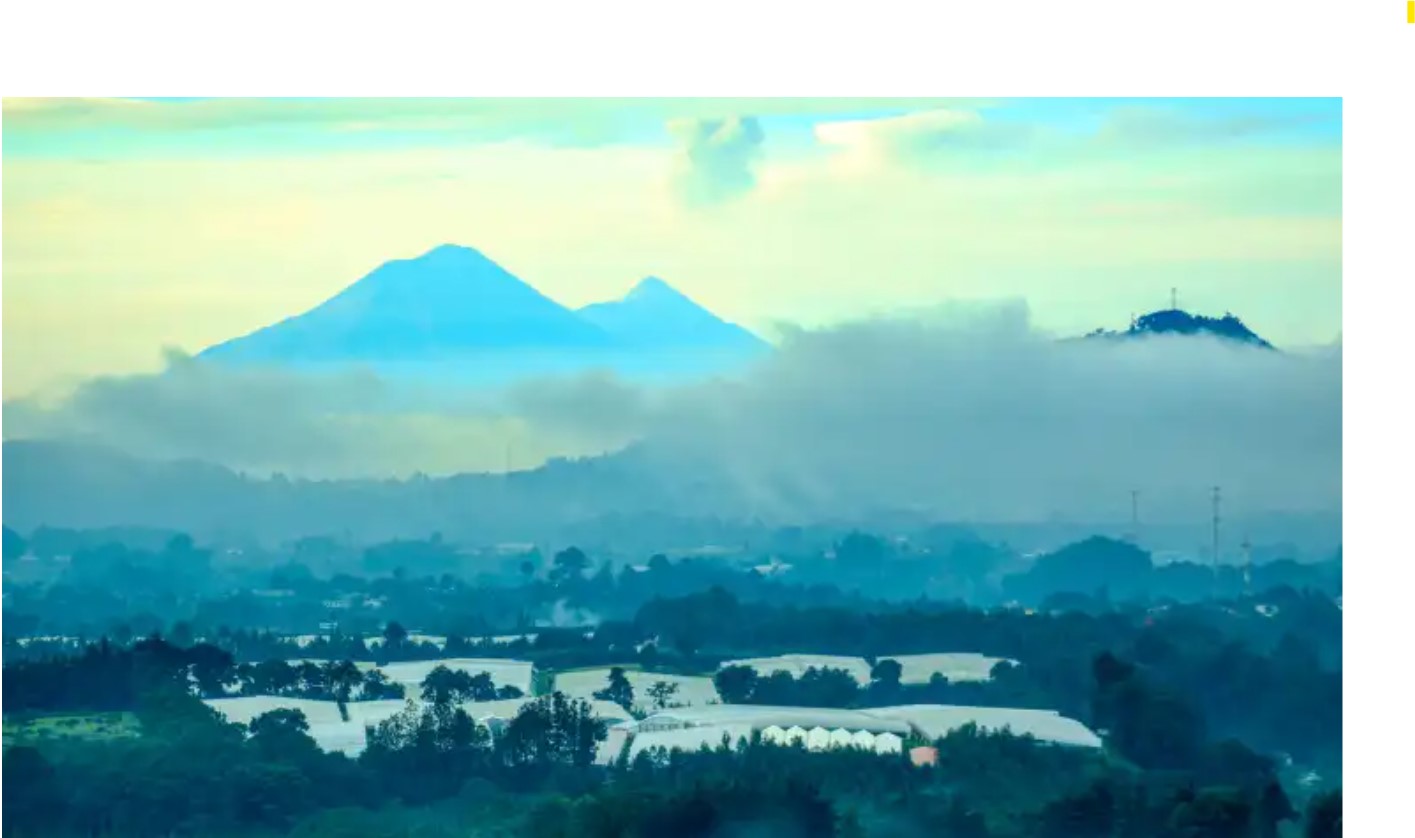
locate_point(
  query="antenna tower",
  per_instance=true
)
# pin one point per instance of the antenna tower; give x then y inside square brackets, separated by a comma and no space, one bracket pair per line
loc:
[1174,299]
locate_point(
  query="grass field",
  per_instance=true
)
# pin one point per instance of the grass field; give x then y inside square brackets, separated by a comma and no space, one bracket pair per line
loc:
[21,730]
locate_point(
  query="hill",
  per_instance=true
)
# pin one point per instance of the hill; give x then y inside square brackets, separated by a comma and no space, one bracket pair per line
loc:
[1179,322]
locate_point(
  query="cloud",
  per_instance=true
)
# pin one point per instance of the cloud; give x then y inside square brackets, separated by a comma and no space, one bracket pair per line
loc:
[718,157]
[922,137]
[981,415]
[587,122]
[966,413]
[1150,128]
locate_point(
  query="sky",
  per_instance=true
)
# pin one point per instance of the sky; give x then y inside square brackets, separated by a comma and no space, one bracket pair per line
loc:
[135,226]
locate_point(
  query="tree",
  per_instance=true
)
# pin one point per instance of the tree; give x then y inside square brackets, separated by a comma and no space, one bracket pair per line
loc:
[343,677]
[480,687]
[394,635]
[884,679]
[1324,816]
[446,686]
[32,794]
[862,550]
[569,563]
[272,677]
[662,692]
[376,686]
[1091,812]
[619,690]
[550,730]
[1155,728]
[283,734]
[211,668]
[181,634]
[1212,813]
[1272,808]
[736,684]
[425,753]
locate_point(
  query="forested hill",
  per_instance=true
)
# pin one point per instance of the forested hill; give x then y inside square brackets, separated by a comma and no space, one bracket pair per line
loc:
[1178,322]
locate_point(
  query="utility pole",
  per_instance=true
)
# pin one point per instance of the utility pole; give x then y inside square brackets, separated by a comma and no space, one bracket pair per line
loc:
[1134,515]
[1247,566]
[1174,299]
[1216,520]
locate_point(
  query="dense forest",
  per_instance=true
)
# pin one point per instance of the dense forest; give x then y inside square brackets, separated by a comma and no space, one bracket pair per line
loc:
[126,584]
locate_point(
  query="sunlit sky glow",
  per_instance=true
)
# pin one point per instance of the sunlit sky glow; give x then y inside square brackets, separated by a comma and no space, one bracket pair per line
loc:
[133,225]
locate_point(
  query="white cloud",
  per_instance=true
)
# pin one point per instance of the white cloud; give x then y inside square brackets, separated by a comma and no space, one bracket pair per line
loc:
[923,137]
[718,157]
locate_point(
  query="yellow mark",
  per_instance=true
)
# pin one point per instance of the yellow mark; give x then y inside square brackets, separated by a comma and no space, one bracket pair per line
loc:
[1410,11]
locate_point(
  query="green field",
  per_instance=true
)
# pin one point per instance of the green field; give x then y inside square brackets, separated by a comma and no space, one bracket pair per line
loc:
[30,729]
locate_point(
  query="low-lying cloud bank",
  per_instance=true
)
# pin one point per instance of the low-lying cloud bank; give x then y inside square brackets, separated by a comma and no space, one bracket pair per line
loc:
[967,413]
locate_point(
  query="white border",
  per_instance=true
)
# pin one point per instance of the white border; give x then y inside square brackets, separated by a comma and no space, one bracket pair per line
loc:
[1363,52]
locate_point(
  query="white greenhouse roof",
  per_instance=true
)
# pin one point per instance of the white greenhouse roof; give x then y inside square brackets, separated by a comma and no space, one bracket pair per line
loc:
[693,690]
[931,720]
[331,733]
[689,738]
[759,716]
[916,669]
[503,671]
[955,666]
[938,720]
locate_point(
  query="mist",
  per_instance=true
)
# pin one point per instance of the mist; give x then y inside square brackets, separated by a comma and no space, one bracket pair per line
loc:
[966,412]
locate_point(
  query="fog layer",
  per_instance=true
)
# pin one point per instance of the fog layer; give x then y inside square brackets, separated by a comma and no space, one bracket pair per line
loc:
[967,413]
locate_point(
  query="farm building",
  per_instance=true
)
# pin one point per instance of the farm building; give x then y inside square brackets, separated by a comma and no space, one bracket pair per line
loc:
[934,721]
[880,729]
[817,728]
[798,664]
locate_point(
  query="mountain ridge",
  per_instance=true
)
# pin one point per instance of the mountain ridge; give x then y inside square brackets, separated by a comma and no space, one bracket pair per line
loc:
[454,302]
[654,314]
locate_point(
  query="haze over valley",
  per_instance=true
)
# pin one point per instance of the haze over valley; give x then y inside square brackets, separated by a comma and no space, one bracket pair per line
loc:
[446,365]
